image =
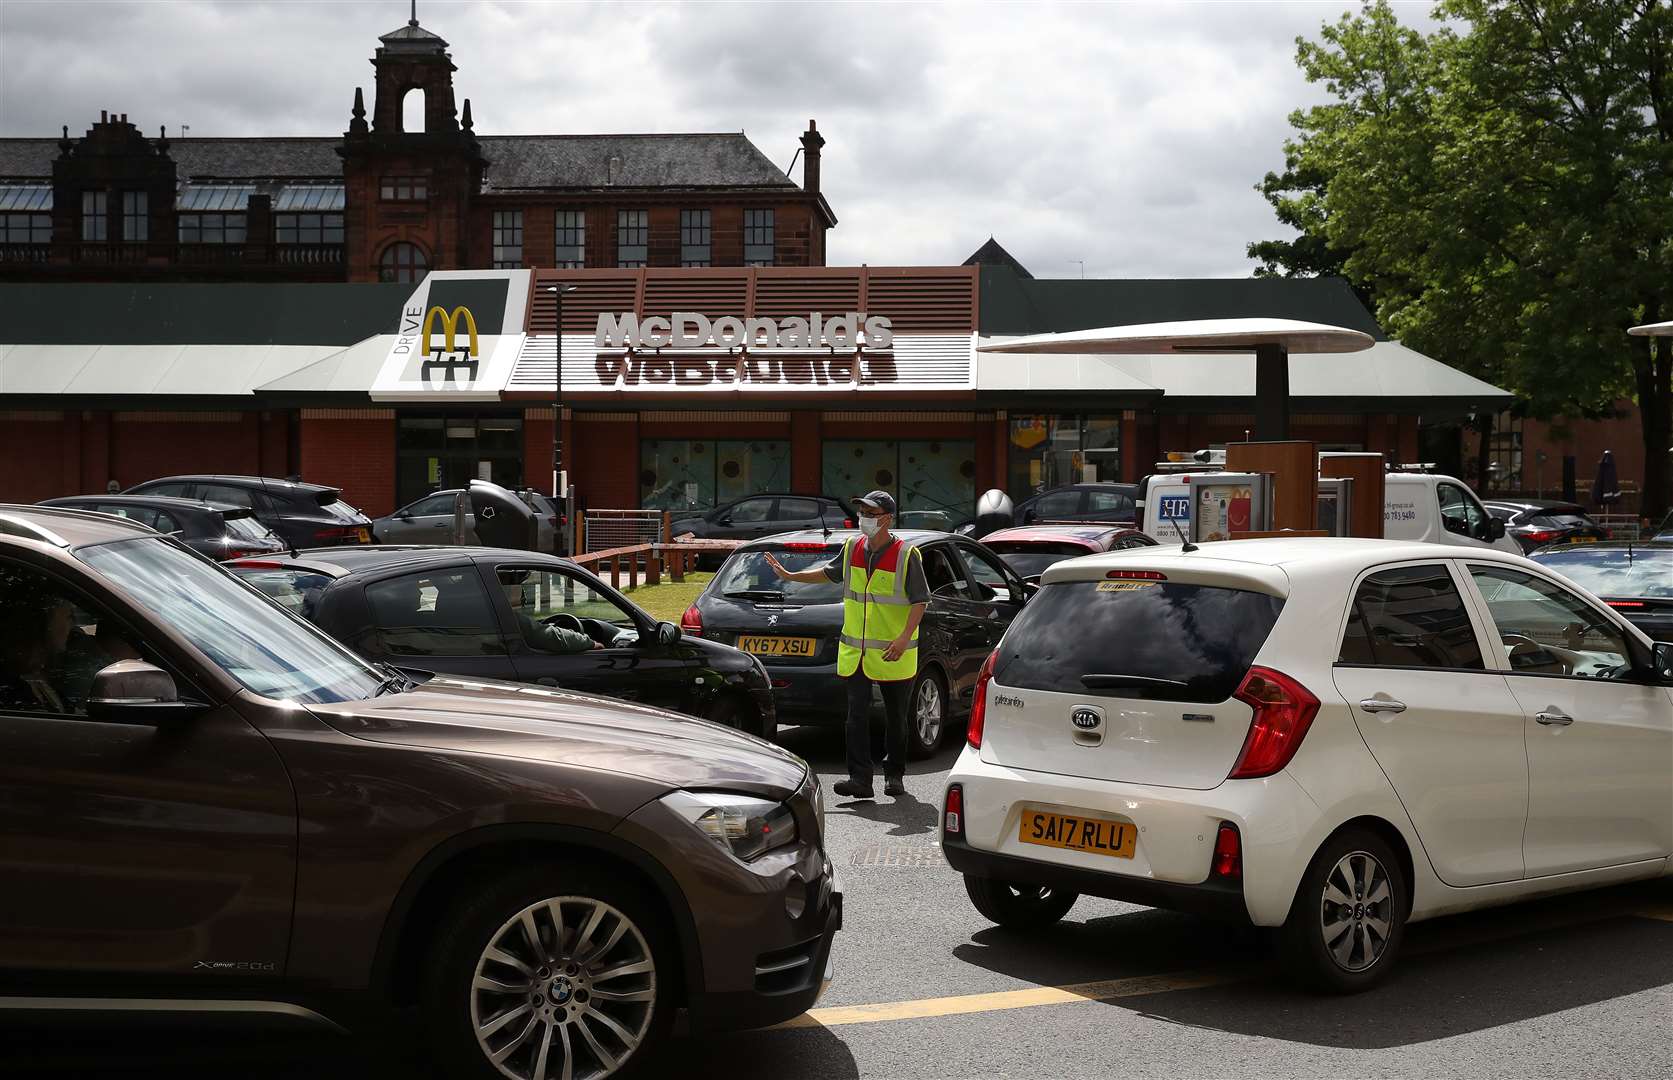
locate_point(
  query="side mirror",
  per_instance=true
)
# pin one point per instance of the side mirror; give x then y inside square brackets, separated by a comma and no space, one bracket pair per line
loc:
[405,515]
[1495,529]
[1661,653]
[135,692]
[725,519]
[667,633]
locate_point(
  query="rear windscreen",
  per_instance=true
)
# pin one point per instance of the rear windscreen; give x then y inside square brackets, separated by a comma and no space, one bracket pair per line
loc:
[246,528]
[746,576]
[337,508]
[1030,560]
[1195,641]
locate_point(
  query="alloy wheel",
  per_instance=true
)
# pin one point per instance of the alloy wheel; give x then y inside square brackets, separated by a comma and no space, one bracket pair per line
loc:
[927,711]
[1356,912]
[564,990]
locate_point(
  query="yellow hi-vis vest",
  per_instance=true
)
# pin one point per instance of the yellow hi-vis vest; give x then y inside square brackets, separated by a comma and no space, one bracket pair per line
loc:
[874,612]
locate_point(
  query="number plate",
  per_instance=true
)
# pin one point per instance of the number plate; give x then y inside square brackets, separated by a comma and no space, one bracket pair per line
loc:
[364,535]
[1117,839]
[765,645]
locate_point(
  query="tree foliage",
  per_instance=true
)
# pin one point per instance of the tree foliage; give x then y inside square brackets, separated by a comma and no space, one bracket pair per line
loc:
[1502,187]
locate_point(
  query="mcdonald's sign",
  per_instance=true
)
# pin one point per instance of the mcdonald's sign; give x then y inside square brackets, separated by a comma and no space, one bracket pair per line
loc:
[450,328]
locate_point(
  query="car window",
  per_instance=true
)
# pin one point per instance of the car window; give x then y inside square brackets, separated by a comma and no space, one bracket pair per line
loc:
[339,510]
[1557,519]
[1460,513]
[943,575]
[226,493]
[1182,642]
[797,509]
[1628,572]
[177,489]
[746,575]
[540,594]
[751,510]
[1058,504]
[246,528]
[53,641]
[1547,630]
[165,522]
[1030,558]
[991,582]
[1109,502]
[435,504]
[296,589]
[142,514]
[1411,616]
[1501,513]
[435,613]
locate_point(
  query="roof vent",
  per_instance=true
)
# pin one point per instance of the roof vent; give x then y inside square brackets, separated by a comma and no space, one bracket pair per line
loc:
[615,170]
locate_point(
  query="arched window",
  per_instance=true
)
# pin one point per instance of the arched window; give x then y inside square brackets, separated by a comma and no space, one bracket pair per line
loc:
[402,262]
[412,111]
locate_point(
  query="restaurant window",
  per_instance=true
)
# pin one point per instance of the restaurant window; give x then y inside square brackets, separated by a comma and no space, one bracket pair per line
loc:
[136,216]
[404,189]
[308,228]
[25,228]
[211,228]
[508,239]
[1504,454]
[758,238]
[688,474]
[402,262]
[1049,451]
[633,230]
[94,216]
[933,479]
[449,451]
[695,238]
[571,237]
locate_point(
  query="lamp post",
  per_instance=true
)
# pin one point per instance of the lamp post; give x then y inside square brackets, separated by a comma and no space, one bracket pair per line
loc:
[560,488]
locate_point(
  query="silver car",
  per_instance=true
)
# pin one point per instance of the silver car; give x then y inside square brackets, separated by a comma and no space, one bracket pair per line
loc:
[430,520]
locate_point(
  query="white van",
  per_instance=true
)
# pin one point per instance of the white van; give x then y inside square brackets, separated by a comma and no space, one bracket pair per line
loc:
[1416,506]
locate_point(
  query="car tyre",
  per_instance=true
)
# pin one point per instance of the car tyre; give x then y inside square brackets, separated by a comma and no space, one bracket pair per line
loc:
[1348,919]
[600,989]
[737,712]
[926,714]
[1018,907]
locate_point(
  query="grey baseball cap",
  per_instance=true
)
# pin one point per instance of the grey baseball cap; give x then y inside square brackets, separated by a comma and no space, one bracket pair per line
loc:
[878,500]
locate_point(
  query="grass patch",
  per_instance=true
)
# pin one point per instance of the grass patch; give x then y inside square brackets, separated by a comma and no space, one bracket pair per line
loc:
[667,602]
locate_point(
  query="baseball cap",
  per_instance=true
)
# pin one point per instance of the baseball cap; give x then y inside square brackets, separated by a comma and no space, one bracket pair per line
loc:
[877,500]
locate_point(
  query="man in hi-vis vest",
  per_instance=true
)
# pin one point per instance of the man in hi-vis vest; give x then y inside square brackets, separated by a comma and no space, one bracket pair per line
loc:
[881,609]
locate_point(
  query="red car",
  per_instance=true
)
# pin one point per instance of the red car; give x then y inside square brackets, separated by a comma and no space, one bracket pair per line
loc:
[1029,549]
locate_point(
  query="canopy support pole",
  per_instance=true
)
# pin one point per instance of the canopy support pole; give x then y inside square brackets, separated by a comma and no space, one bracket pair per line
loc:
[1272,393]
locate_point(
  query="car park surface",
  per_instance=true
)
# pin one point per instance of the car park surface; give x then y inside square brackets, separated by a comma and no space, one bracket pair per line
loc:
[302,515]
[793,627]
[544,876]
[220,531]
[1635,577]
[476,612]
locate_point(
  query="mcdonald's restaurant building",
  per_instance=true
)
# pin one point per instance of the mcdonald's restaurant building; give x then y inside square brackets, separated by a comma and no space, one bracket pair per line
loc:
[680,387]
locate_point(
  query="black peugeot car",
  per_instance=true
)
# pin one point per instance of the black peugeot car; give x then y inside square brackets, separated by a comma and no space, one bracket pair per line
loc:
[793,627]
[1635,577]
[476,612]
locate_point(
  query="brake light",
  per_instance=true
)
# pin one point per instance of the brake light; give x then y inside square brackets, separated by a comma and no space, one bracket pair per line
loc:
[1228,852]
[335,532]
[239,553]
[952,819]
[1137,575]
[1625,603]
[803,547]
[979,705]
[692,622]
[1540,536]
[848,523]
[1284,709]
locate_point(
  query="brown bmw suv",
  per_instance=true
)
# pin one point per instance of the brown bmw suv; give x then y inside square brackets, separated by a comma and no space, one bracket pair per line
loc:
[211,806]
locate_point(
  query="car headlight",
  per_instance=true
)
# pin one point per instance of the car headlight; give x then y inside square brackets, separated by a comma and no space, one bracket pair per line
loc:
[742,824]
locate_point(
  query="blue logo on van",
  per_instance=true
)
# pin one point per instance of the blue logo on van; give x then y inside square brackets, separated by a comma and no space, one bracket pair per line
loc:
[1175,507]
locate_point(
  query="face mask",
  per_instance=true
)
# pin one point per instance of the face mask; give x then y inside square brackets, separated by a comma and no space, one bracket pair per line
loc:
[869,526]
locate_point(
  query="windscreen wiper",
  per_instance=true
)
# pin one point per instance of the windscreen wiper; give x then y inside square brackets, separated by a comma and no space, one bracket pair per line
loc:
[1101,681]
[755,594]
[394,681]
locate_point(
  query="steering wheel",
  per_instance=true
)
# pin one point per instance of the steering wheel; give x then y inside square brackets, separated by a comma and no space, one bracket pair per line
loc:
[565,620]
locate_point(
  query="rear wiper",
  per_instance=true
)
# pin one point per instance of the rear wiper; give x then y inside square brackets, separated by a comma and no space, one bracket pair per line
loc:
[1099,682]
[755,594]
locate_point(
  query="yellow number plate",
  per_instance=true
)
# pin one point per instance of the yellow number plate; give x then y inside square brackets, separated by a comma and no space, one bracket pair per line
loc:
[1114,838]
[364,535]
[763,645]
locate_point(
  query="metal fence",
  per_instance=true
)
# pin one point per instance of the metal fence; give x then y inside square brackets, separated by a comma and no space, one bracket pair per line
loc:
[605,529]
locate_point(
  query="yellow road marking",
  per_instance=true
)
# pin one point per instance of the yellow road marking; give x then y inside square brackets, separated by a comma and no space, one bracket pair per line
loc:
[1105,990]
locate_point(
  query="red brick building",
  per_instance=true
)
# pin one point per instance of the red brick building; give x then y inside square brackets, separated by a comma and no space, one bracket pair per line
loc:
[381,203]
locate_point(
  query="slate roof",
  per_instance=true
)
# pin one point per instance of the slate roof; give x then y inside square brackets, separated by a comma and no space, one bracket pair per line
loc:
[516,162]
[992,254]
[243,313]
[1015,305]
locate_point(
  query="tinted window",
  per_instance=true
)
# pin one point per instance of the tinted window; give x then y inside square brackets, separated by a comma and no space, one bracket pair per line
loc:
[165,522]
[1058,504]
[747,575]
[1559,520]
[1549,631]
[1624,572]
[797,509]
[225,493]
[52,643]
[1410,616]
[435,504]
[1109,502]
[296,590]
[1501,513]
[1198,640]
[751,510]
[1459,513]
[341,511]
[540,594]
[176,489]
[991,582]
[142,514]
[246,528]
[439,613]
[943,575]
[1030,559]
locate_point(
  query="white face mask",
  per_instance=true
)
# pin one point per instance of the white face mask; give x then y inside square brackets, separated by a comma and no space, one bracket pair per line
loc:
[869,526]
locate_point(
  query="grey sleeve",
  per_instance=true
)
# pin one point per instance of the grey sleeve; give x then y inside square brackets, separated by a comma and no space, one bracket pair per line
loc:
[917,585]
[832,570]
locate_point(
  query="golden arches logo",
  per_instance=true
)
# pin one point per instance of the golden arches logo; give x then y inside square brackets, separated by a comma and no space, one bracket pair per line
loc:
[449,326]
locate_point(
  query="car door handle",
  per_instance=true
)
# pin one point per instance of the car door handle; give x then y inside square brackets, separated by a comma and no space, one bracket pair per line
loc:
[1382,705]
[1554,718]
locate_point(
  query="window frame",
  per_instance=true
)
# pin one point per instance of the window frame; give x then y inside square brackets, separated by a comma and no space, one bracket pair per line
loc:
[696,238]
[468,570]
[136,217]
[1466,592]
[25,228]
[301,231]
[394,268]
[765,236]
[213,227]
[570,225]
[95,216]
[507,237]
[404,188]
[640,228]
[1635,651]
[640,620]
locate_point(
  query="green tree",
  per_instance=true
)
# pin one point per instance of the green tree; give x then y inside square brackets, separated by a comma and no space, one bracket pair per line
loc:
[1503,188]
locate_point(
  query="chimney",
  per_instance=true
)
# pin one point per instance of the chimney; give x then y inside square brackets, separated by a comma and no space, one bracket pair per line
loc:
[811,142]
[615,171]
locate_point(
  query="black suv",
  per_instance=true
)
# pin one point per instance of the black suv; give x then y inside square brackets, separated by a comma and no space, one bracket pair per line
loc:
[302,515]
[793,626]
[480,613]
[214,809]
[220,531]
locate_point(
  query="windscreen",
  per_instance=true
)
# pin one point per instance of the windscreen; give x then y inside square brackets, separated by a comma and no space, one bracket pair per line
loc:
[1030,559]
[746,576]
[1178,642]
[1624,572]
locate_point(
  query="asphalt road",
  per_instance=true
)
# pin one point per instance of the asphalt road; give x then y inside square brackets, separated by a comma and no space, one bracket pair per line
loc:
[1573,987]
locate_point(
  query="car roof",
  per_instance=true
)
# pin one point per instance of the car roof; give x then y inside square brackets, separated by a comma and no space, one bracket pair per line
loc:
[264,482]
[782,495]
[66,527]
[365,558]
[1607,545]
[166,502]
[1075,534]
[836,537]
[1535,504]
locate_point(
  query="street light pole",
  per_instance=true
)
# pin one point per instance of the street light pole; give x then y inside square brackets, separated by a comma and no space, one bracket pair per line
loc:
[560,489]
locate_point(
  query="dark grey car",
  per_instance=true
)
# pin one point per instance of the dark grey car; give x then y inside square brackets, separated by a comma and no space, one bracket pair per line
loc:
[303,515]
[220,531]
[260,824]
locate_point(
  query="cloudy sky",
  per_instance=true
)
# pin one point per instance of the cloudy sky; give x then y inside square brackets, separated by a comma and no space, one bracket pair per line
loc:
[1125,136]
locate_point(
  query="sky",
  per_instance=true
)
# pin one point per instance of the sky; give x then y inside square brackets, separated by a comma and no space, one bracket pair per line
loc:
[1110,139]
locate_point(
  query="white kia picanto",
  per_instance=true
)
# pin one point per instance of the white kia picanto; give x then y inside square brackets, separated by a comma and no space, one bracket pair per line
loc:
[1334,737]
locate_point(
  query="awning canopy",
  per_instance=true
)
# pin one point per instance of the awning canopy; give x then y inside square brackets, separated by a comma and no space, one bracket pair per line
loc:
[1194,336]
[163,371]
[345,371]
[1658,329]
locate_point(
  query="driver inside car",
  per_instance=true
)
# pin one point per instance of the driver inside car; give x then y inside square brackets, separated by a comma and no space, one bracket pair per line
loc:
[561,633]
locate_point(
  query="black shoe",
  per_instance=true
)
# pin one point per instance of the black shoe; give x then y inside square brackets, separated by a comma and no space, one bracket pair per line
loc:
[894,786]
[853,789]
